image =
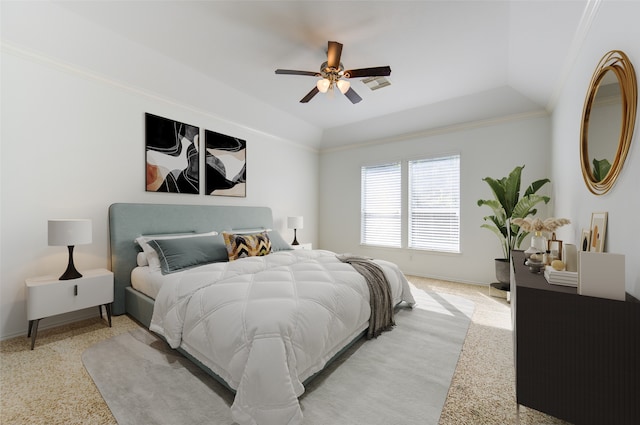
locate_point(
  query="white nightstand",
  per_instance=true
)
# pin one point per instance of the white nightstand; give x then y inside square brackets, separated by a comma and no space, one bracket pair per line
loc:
[303,246]
[48,296]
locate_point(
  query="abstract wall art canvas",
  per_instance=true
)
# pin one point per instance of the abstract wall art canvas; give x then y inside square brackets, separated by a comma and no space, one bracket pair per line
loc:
[225,165]
[172,161]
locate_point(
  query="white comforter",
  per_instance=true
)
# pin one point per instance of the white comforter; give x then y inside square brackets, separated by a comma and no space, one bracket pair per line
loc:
[265,324]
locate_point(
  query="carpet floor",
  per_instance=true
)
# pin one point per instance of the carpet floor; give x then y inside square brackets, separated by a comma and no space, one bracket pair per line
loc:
[50,385]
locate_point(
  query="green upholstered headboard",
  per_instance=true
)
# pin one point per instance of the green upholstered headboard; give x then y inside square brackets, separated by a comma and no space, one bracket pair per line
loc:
[128,221]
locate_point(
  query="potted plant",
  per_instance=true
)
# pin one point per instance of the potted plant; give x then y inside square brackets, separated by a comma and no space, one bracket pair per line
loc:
[507,205]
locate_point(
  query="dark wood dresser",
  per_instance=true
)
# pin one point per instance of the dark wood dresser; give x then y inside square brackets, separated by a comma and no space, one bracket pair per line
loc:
[576,357]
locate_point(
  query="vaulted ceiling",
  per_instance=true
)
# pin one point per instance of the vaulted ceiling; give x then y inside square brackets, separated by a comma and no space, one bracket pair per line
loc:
[450,60]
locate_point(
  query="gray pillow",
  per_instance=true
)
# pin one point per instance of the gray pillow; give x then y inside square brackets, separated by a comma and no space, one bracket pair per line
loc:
[182,253]
[277,243]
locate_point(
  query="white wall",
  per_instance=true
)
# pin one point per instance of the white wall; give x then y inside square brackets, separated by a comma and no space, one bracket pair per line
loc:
[614,28]
[73,143]
[490,149]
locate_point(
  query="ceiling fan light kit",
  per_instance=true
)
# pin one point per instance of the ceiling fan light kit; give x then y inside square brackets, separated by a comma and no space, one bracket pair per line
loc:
[323,85]
[333,75]
[343,86]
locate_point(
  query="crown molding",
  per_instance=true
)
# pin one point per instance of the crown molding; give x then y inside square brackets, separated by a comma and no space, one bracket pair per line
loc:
[442,130]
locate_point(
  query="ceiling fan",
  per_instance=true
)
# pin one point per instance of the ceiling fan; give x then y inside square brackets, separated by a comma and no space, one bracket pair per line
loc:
[333,75]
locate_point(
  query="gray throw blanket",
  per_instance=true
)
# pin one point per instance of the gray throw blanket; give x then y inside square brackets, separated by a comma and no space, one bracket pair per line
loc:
[380,294]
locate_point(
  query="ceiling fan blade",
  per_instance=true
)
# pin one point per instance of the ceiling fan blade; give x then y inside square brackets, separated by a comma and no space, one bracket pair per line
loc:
[310,95]
[353,96]
[333,54]
[378,71]
[293,72]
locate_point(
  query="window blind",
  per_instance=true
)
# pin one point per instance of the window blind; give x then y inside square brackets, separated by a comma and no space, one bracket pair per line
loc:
[381,205]
[434,204]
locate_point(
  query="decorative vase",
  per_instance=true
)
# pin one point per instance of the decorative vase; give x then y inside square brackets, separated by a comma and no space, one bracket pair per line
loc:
[503,273]
[538,241]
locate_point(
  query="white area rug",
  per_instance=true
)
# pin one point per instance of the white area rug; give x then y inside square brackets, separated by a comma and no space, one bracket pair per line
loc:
[401,377]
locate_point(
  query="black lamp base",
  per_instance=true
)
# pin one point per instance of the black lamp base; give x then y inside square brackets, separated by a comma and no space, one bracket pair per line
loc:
[71,272]
[295,238]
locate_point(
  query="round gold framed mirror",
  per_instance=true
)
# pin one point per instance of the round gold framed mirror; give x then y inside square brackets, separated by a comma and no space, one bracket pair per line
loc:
[608,119]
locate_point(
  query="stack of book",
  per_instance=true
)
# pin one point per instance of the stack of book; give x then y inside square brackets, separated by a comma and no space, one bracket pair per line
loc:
[556,277]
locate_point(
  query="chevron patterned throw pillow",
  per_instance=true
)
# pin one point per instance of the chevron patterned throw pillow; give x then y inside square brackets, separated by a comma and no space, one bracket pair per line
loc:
[246,245]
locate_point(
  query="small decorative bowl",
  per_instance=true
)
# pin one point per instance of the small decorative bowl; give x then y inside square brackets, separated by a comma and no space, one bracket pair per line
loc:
[534,266]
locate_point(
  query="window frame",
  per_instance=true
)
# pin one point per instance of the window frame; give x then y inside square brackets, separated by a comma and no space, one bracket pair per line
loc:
[405,202]
[399,213]
[452,247]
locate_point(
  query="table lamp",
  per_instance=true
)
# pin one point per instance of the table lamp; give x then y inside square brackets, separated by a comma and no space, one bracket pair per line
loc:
[295,223]
[69,232]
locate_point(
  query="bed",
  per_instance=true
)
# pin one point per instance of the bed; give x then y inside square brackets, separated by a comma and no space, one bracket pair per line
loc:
[262,325]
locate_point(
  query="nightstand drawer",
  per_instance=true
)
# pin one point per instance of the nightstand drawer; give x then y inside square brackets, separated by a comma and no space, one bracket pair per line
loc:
[48,296]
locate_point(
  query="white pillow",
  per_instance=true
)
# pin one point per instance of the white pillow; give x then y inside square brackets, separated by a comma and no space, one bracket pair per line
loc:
[250,231]
[152,256]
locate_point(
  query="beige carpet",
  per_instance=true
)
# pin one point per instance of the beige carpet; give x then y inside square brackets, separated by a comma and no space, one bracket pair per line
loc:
[50,385]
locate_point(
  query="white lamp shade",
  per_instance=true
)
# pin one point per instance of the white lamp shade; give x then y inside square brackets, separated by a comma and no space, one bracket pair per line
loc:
[343,86]
[295,222]
[69,232]
[323,85]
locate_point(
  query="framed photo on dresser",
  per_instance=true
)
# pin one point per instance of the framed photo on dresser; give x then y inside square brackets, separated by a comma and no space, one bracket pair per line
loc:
[598,231]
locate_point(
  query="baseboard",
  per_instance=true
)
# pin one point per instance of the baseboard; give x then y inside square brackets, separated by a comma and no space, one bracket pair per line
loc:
[446,279]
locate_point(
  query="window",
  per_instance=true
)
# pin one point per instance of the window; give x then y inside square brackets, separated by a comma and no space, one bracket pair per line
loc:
[434,204]
[381,205]
[431,198]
